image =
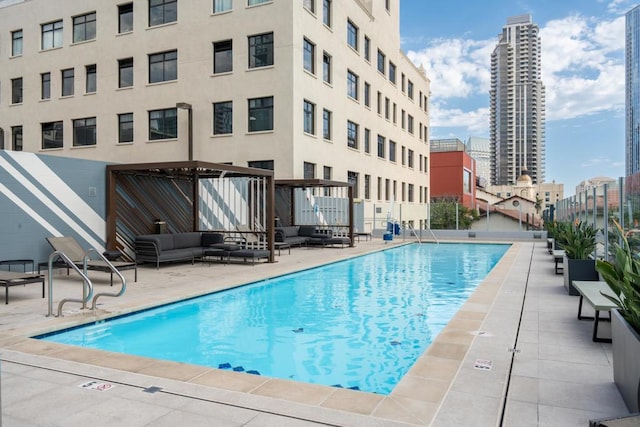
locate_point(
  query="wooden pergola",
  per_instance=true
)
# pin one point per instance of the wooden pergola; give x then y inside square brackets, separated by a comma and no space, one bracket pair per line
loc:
[139,195]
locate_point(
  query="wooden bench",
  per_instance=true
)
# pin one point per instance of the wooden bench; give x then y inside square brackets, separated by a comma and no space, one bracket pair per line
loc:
[558,258]
[591,291]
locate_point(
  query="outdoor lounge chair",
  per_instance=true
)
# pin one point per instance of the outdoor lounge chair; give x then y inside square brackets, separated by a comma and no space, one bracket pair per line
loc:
[72,249]
[14,278]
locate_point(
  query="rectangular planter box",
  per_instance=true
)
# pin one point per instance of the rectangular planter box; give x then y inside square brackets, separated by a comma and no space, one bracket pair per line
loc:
[626,360]
[578,269]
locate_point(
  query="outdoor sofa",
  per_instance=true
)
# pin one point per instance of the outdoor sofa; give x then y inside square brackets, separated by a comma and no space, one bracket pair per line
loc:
[308,235]
[189,246]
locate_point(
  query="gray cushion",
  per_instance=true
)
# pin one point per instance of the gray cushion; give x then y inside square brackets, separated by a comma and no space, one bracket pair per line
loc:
[306,230]
[187,240]
[209,239]
[163,241]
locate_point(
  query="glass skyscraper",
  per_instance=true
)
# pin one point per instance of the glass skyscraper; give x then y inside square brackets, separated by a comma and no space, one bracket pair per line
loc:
[517,104]
[632,91]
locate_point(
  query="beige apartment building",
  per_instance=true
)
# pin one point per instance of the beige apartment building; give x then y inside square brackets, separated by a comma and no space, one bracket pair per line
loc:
[308,88]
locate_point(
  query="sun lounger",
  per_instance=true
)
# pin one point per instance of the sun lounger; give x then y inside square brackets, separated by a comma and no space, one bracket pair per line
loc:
[14,278]
[72,249]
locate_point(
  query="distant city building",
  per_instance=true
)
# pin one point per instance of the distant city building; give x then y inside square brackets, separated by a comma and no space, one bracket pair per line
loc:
[480,150]
[517,104]
[632,92]
[596,183]
[549,193]
[453,172]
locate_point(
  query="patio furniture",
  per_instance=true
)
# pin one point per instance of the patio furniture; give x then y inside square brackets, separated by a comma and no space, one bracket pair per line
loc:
[15,278]
[591,291]
[72,249]
[558,258]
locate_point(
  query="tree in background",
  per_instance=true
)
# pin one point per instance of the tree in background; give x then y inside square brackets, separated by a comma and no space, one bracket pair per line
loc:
[443,214]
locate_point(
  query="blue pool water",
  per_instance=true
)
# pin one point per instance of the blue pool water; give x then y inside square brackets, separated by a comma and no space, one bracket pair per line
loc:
[358,324]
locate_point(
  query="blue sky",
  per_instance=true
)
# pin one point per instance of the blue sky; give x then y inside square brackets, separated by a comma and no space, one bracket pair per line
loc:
[582,69]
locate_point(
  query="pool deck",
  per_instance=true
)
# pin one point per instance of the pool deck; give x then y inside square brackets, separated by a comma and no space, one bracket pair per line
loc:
[514,355]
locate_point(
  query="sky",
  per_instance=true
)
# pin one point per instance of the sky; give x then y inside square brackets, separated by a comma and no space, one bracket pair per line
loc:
[582,69]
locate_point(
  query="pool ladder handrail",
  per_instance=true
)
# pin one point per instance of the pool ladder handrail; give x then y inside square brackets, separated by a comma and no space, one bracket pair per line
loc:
[413,231]
[87,286]
[114,270]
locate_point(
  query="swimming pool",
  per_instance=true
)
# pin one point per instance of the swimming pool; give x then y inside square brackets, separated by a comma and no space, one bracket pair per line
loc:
[359,323]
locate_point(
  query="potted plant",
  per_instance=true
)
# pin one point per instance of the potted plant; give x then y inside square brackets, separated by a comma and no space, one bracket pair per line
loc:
[622,274]
[579,243]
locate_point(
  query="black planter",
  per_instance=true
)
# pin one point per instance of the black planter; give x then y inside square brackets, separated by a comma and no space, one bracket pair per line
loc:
[626,362]
[578,269]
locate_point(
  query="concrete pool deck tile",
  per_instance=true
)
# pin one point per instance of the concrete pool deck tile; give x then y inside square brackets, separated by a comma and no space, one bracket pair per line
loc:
[461,324]
[524,389]
[522,414]
[456,336]
[400,410]
[235,381]
[436,368]
[353,401]
[447,350]
[172,370]
[310,394]
[421,389]
[467,409]
[576,396]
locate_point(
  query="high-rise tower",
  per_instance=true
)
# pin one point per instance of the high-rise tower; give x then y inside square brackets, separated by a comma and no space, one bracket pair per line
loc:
[632,92]
[517,96]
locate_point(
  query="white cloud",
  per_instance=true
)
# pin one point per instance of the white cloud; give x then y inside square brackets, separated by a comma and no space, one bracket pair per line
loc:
[582,69]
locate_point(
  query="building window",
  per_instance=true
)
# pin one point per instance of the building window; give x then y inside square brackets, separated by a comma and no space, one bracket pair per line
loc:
[261,50]
[379,103]
[382,58]
[403,155]
[381,145]
[326,175]
[310,5]
[309,170]
[466,181]
[387,189]
[261,114]
[326,67]
[410,89]
[379,188]
[392,151]
[223,118]
[326,12]
[410,158]
[84,132]
[68,78]
[45,86]
[367,187]
[84,27]
[352,35]
[367,94]
[125,18]
[125,127]
[352,178]
[92,81]
[410,123]
[309,56]
[403,82]
[51,35]
[309,119]
[352,84]
[163,66]
[162,12]
[16,43]
[387,108]
[392,72]
[352,134]
[387,5]
[125,72]
[16,91]
[367,49]
[52,135]
[222,5]
[16,138]
[367,141]
[163,124]
[410,193]
[326,124]
[261,164]
[223,56]
[256,2]
[395,113]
